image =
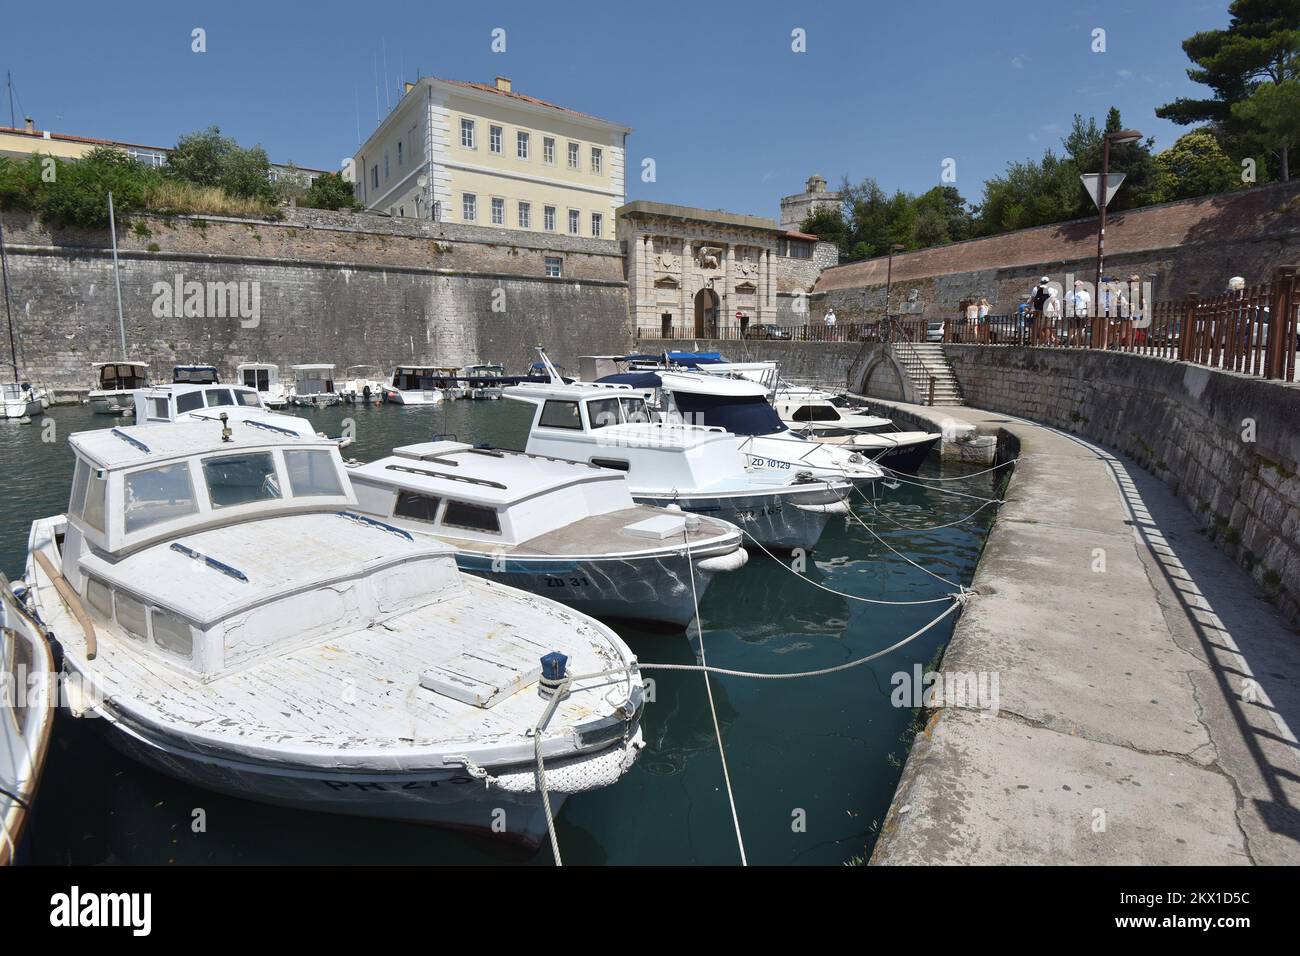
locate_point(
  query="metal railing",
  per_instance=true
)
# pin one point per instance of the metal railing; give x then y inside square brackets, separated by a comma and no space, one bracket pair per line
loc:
[892,329]
[1254,331]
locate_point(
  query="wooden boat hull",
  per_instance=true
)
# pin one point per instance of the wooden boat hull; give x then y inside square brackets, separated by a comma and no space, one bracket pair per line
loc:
[27,705]
[643,588]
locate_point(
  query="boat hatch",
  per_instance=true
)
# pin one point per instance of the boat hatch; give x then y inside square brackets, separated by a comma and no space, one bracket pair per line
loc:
[659,527]
[475,678]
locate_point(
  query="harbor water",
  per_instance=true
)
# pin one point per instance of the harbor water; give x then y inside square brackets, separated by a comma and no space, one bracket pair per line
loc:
[814,762]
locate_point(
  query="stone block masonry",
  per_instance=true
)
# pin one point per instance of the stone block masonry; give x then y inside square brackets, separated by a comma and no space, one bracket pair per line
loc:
[1228,445]
[332,287]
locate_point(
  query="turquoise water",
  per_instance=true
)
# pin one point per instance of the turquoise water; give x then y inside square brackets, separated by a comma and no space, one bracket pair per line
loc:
[813,762]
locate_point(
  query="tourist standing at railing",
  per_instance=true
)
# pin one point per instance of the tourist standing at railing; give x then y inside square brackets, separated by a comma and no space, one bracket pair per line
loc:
[1038,300]
[1081,307]
[829,319]
[982,321]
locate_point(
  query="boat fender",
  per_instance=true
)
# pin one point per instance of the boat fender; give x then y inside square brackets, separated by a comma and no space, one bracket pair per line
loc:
[832,508]
[553,666]
[725,562]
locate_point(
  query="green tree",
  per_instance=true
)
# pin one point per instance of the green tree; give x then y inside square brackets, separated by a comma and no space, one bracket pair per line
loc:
[22,183]
[1273,112]
[942,216]
[332,191]
[206,158]
[1195,165]
[78,196]
[1259,48]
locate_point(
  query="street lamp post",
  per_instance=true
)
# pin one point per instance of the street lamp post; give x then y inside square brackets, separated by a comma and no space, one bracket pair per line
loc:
[1119,136]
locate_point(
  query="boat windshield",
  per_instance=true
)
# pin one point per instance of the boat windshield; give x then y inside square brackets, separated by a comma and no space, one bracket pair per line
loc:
[817,413]
[258,378]
[122,377]
[240,479]
[194,375]
[13,390]
[745,415]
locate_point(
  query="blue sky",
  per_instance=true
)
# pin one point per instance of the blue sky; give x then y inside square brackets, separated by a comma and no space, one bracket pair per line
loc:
[732,117]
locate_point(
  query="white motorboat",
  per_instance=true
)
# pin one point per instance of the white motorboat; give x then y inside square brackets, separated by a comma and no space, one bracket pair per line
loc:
[483,381]
[879,439]
[265,378]
[114,384]
[560,529]
[27,701]
[414,385]
[371,678]
[20,401]
[313,385]
[235,403]
[360,385]
[195,375]
[700,469]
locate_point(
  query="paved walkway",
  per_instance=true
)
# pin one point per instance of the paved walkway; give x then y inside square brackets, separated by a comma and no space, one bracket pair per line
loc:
[1145,710]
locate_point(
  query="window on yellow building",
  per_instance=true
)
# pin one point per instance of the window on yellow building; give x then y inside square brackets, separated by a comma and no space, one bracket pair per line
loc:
[548,151]
[467,133]
[494,139]
[521,144]
[573,155]
[498,212]
[548,218]
[525,215]
[597,224]
[574,222]
[597,159]
[469,207]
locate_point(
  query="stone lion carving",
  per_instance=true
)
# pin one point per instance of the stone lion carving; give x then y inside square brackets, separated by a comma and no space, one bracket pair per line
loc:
[709,256]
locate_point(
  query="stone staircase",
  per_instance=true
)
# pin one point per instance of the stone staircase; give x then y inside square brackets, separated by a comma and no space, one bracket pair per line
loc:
[923,361]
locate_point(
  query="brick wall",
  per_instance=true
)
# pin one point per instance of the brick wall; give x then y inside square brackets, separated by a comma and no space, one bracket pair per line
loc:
[1191,246]
[1184,423]
[333,287]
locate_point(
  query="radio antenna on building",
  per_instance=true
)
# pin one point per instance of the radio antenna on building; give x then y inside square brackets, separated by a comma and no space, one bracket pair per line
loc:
[388,99]
[9,81]
[378,115]
[356,102]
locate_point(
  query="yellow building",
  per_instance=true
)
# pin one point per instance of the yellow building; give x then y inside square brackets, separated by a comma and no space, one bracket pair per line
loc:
[468,152]
[19,143]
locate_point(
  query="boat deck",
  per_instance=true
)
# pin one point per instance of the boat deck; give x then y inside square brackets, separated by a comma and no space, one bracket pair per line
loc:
[602,535]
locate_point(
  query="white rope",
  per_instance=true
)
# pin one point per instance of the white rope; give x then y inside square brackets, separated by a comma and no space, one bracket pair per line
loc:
[973,474]
[943,491]
[844,594]
[717,730]
[800,674]
[938,527]
[546,796]
[938,577]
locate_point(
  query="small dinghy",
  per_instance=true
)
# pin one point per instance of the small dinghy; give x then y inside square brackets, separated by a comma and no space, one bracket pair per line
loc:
[27,700]
[699,468]
[370,678]
[563,530]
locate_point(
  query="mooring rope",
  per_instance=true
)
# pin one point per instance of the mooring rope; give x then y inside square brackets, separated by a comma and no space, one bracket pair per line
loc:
[546,797]
[942,491]
[708,686]
[843,594]
[757,675]
[973,474]
[899,526]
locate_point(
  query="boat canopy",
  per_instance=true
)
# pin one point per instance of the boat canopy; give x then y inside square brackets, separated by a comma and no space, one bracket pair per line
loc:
[634,379]
[738,414]
[122,376]
[696,358]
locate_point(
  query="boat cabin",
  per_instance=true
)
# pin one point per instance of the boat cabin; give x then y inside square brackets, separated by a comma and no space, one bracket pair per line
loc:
[182,541]
[487,495]
[195,375]
[313,379]
[613,427]
[823,412]
[738,405]
[417,378]
[121,376]
[260,376]
[166,403]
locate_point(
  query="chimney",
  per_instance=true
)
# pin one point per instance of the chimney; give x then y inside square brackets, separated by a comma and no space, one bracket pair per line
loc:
[29,125]
[409,87]
[503,84]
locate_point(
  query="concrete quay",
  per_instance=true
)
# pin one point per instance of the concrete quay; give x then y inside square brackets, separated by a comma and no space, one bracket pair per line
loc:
[1147,689]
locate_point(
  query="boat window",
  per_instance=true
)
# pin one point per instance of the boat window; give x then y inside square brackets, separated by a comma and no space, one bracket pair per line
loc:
[158,409]
[258,378]
[817,413]
[78,488]
[247,399]
[158,494]
[171,634]
[132,617]
[617,464]
[312,473]
[240,479]
[634,410]
[100,598]
[560,415]
[189,401]
[416,506]
[602,412]
[460,514]
[93,513]
[740,415]
[218,396]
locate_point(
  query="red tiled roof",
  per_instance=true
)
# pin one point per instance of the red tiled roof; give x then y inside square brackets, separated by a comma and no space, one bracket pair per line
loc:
[795,234]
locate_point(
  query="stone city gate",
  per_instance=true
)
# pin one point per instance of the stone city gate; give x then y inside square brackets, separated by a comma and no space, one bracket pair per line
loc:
[692,271]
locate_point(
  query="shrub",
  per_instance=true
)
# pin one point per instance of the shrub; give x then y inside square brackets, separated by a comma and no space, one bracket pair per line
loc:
[329,191]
